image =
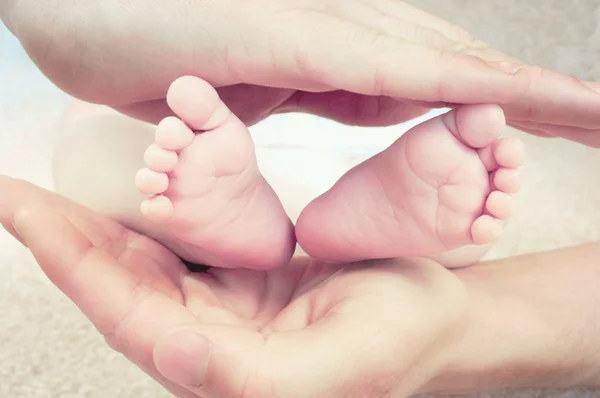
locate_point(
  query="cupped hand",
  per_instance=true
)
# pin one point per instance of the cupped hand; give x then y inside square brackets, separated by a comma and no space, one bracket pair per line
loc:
[376,62]
[304,330]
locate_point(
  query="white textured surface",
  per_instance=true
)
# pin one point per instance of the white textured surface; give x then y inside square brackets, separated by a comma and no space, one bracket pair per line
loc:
[48,349]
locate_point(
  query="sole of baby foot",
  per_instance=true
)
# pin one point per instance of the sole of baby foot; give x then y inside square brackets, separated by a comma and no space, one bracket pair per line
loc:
[205,190]
[446,183]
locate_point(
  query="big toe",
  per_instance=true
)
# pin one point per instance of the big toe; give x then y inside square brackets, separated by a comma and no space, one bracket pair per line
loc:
[197,102]
[477,125]
[500,205]
[151,182]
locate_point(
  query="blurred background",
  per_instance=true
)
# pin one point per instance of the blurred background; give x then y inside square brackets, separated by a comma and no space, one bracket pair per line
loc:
[48,349]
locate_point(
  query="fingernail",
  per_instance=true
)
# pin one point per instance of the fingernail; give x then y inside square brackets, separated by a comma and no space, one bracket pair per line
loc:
[506,67]
[182,357]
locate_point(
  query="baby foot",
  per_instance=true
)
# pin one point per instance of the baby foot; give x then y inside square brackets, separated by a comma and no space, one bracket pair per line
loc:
[445,184]
[207,192]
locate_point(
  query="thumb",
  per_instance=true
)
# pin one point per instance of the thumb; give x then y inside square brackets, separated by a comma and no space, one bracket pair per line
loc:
[346,355]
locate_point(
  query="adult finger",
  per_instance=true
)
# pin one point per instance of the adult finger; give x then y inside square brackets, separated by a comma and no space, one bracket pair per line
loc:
[414,25]
[402,11]
[79,263]
[589,137]
[132,317]
[554,98]
[551,97]
[62,251]
[531,128]
[368,61]
[17,193]
[153,263]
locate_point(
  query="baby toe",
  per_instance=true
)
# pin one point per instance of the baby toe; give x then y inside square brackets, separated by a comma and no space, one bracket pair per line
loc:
[158,208]
[172,134]
[485,230]
[509,152]
[500,205]
[159,159]
[507,180]
[150,182]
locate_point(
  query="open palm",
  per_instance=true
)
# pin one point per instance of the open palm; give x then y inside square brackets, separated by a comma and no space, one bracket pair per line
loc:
[306,329]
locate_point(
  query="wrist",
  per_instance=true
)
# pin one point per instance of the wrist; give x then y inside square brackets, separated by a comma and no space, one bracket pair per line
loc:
[532,322]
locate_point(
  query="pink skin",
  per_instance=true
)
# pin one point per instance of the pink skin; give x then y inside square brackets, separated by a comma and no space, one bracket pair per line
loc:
[204,186]
[445,184]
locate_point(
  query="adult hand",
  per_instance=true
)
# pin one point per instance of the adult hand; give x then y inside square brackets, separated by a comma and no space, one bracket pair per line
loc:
[376,62]
[305,330]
